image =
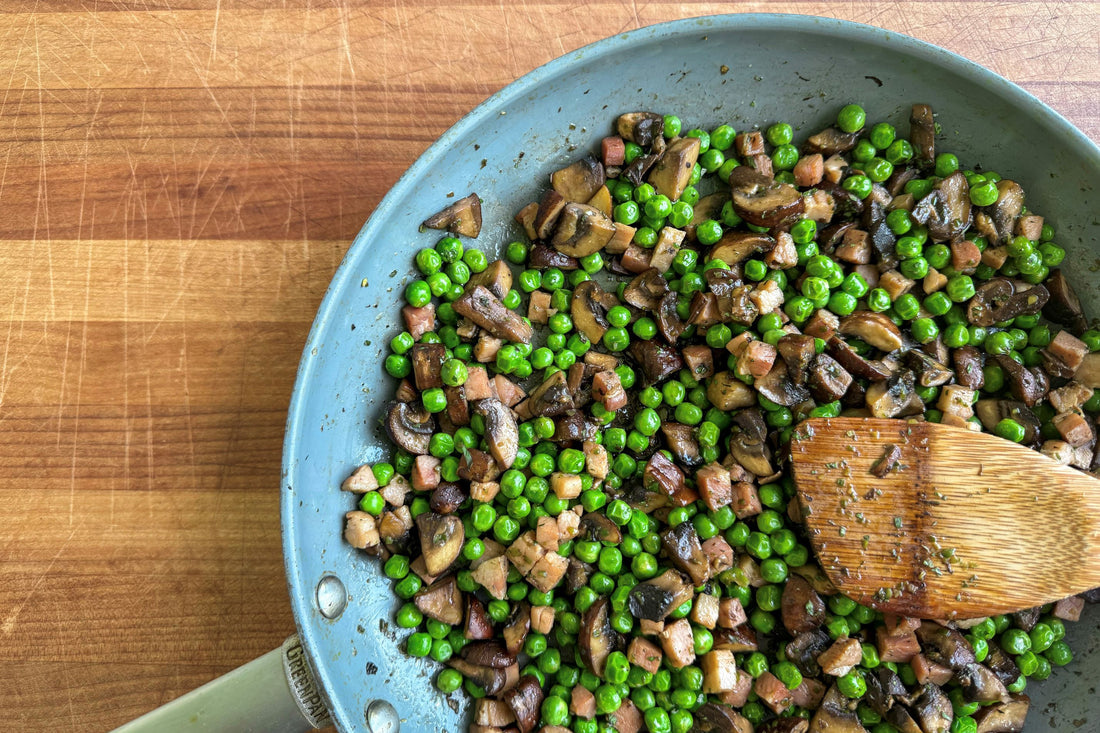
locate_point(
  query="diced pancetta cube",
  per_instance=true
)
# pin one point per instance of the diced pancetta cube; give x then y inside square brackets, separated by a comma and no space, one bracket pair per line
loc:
[360,481]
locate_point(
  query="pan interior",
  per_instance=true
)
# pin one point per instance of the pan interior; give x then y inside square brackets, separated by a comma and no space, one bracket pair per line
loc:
[744,70]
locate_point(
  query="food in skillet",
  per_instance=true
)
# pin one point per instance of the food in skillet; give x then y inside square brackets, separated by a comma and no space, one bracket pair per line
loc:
[588,516]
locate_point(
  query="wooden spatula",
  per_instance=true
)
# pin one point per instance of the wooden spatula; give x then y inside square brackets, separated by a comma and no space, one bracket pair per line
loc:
[933,521]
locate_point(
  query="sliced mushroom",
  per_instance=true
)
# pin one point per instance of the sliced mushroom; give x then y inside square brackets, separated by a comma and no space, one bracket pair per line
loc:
[486,310]
[801,608]
[893,397]
[896,183]
[979,684]
[1064,306]
[441,539]
[442,600]
[551,398]
[462,217]
[597,639]
[680,439]
[501,431]
[546,217]
[748,443]
[640,127]
[410,426]
[779,388]
[922,132]
[1027,618]
[900,717]
[1010,202]
[579,181]
[930,372]
[515,632]
[655,599]
[798,352]
[681,545]
[572,427]
[715,718]
[636,171]
[804,649]
[490,679]
[874,328]
[944,645]
[763,201]
[1002,665]
[837,714]
[991,412]
[828,381]
[933,709]
[589,306]
[672,173]
[831,141]
[447,498]
[663,476]
[656,360]
[668,320]
[883,687]
[793,724]
[598,528]
[525,699]
[496,278]
[968,367]
[737,640]
[735,247]
[489,653]
[1005,717]
[847,357]
[541,257]
[582,230]
[646,290]
[478,623]
[946,210]
[1026,385]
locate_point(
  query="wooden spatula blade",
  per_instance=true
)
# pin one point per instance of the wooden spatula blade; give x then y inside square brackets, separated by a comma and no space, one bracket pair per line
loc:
[932,521]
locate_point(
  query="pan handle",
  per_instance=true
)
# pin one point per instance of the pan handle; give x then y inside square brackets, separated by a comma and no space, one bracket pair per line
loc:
[273,694]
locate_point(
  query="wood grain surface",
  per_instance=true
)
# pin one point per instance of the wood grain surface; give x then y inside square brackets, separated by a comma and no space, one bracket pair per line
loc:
[179,182]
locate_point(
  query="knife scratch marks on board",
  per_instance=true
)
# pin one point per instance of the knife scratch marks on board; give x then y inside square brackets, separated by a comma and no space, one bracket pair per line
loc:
[8,624]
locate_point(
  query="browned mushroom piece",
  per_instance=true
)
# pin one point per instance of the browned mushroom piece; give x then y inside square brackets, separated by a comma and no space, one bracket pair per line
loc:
[763,201]
[894,397]
[1026,385]
[1010,202]
[968,367]
[516,630]
[1027,618]
[441,538]
[716,718]
[671,174]
[579,181]
[737,640]
[1064,306]
[798,353]
[944,645]
[801,608]
[837,714]
[991,412]
[478,623]
[655,599]
[589,306]
[1002,665]
[831,141]
[486,310]
[793,724]
[598,528]
[874,328]
[447,498]
[946,210]
[663,476]
[680,439]
[681,545]
[410,427]
[668,320]
[735,247]
[933,710]
[930,372]
[646,290]
[828,380]
[656,360]
[525,699]
[922,132]
[637,170]
[979,684]
[597,639]
[778,387]
[490,679]
[640,127]
[847,357]
[496,278]
[546,217]
[582,230]
[551,398]
[900,717]
[572,427]
[883,688]
[488,653]
[748,443]
[708,207]
[462,217]
[442,600]
[896,183]
[501,431]
[804,649]
[542,257]
[1003,717]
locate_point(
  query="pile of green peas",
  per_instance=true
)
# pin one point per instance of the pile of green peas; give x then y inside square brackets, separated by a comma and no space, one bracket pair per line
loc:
[775,543]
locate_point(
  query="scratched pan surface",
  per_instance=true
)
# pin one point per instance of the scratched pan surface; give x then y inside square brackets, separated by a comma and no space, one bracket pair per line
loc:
[744,70]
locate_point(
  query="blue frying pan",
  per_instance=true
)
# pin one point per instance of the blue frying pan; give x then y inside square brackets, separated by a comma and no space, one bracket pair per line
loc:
[345,665]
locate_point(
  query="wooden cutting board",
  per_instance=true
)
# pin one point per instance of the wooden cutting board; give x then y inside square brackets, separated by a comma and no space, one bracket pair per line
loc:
[178,186]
